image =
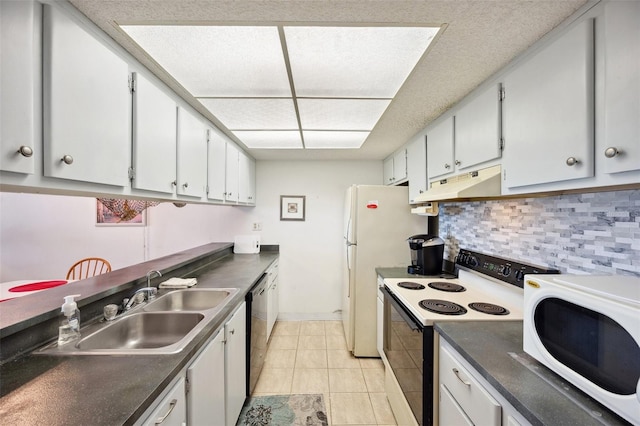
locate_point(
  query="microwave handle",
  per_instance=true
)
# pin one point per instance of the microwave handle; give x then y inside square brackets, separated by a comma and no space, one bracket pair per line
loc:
[400,309]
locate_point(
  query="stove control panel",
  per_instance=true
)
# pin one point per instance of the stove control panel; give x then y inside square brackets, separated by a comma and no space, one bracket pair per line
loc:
[503,269]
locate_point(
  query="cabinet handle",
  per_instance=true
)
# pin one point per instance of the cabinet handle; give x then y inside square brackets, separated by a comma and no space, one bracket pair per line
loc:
[447,166]
[458,162]
[457,373]
[172,405]
[232,331]
[611,152]
[572,161]
[67,159]
[185,185]
[25,151]
[174,183]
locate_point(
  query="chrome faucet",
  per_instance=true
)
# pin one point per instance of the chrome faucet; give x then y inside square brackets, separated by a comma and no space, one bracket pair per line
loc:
[147,293]
[150,274]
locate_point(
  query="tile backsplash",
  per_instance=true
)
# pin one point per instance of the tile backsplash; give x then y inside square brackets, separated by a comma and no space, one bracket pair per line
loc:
[592,233]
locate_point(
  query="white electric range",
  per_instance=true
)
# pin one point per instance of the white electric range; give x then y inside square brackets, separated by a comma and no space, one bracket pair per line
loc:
[487,288]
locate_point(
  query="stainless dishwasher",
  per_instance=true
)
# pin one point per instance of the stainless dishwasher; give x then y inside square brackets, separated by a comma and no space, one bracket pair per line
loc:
[256,331]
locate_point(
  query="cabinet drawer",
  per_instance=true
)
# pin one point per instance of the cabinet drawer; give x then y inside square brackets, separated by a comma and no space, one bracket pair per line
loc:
[478,405]
[450,411]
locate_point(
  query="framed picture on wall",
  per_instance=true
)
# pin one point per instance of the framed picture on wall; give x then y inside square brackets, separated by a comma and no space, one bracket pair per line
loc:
[292,207]
[111,212]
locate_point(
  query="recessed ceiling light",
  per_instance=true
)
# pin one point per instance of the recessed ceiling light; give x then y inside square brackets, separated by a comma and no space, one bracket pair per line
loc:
[253,114]
[333,140]
[267,84]
[341,114]
[267,139]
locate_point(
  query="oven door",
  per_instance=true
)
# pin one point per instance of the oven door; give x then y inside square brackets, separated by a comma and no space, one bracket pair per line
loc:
[408,347]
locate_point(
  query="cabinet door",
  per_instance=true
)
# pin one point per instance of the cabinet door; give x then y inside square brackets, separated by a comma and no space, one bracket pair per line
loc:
[621,148]
[273,300]
[154,137]
[417,167]
[400,165]
[387,171]
[548,112]
[20,47]
[235,331]
[87,105]
[246,175]
[217,155]
[171,410]
[205,400]
[232,174]
[192,155]
[478,130]
[440,149]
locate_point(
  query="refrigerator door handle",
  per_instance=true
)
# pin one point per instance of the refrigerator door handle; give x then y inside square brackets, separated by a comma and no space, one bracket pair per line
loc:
[349,244]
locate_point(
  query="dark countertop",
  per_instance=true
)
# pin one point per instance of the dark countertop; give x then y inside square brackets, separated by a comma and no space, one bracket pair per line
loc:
[495,350]
[113,390]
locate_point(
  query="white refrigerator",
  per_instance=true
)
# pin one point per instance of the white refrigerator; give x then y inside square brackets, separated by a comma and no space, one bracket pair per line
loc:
[377,223]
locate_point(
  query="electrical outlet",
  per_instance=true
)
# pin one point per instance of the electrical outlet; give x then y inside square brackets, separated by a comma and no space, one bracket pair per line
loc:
[257,226]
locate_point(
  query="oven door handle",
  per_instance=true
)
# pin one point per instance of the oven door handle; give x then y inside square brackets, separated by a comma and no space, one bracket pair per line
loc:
[406,316]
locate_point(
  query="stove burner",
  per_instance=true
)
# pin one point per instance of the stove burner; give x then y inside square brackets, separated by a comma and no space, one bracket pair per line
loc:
[446,286]
[488,308]
[411,285]
[442,307]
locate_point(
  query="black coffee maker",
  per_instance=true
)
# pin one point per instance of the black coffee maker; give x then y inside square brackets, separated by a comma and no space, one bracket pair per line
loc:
[427,252]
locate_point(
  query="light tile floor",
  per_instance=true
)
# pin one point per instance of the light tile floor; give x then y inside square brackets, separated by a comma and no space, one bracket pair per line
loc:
[312,357]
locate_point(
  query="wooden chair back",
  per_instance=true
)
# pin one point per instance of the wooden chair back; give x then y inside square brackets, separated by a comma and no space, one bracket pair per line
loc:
[89,267]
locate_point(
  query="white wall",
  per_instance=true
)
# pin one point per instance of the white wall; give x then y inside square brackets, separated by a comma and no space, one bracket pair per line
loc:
[42,235]
[310,251]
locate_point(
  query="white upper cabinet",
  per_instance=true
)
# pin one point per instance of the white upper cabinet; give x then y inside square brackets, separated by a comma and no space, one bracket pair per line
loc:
[620,149]
[192,155]
[154,137]
[232,174]
[87,105]
[440,148]
[548,112]
[417,167]
[216,173]
[395,168]
[247,179]
[478,129]
[20,47]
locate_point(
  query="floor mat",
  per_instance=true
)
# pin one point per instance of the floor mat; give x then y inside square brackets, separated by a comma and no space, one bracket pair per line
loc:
[284,410]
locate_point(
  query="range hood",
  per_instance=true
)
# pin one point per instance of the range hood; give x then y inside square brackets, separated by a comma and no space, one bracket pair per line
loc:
[475,184]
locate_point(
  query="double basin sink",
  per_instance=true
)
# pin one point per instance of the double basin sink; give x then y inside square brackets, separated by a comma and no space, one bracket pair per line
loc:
[163,326]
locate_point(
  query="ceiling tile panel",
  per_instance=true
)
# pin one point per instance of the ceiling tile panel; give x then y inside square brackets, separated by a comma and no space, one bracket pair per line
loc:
[341,114]
[270,139]
[218,61]
[253,114]
[333,140]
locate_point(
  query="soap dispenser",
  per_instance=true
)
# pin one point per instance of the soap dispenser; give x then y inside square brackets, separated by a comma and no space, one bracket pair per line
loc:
[69,329]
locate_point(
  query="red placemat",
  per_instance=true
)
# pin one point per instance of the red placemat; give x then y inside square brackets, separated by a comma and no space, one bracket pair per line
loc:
[40,285]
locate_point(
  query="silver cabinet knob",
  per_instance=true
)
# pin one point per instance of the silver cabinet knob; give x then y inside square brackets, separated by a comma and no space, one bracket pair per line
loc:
[572,161]
[611,152]
[447,166]
[25,151]
[458,162]
[67,159]
[185,185]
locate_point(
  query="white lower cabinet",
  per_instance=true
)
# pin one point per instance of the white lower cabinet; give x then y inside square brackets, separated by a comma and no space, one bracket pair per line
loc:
[466,394]
[467,398]
[171,410]
[206,384]
[273,297]
[235,360]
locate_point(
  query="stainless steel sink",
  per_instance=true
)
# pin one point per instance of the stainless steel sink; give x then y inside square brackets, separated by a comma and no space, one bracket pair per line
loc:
[144,330]
[164,326]
[189,300]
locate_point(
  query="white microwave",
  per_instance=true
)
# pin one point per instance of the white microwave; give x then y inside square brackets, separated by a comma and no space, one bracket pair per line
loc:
[587,330]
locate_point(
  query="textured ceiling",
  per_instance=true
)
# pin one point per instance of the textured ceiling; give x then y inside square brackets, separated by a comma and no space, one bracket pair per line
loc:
[480,37]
